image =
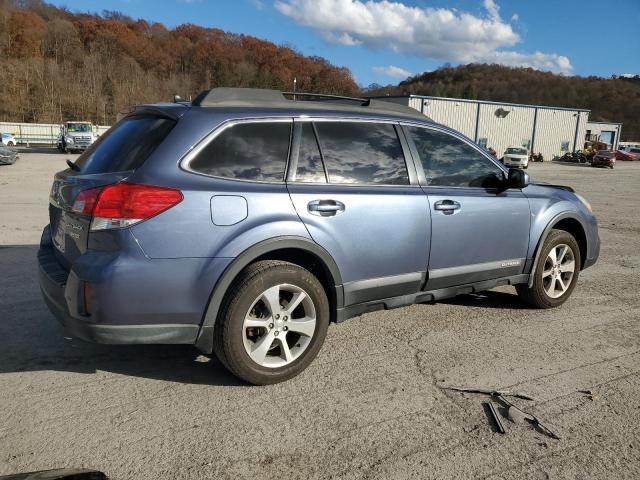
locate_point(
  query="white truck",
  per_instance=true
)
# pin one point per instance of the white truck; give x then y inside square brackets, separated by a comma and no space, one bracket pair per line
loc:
[76,136]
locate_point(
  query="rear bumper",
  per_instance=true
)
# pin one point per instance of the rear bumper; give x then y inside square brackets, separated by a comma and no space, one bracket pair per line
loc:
[62,291]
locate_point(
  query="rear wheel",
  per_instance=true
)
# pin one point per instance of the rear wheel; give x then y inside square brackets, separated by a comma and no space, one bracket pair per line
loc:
[556,272]
[272,323]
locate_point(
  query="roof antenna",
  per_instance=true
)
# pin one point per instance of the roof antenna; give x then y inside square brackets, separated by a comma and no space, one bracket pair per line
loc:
[295,80]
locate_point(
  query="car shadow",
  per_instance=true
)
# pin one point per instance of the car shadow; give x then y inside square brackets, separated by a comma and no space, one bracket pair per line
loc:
[489,299]
[32,340]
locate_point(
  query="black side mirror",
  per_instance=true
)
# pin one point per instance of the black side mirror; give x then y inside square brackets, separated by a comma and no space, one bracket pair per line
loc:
[517,178]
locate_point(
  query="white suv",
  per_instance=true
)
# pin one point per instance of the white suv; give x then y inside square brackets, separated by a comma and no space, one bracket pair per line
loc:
[516,157]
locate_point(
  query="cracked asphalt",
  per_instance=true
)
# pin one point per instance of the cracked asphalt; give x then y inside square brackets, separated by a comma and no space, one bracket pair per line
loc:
[370,406]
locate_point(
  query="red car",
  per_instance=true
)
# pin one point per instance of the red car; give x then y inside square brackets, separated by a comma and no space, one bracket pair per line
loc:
[604,158]
[627,156]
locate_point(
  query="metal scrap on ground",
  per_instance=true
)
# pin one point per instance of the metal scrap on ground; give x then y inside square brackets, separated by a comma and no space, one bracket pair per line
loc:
[514,414]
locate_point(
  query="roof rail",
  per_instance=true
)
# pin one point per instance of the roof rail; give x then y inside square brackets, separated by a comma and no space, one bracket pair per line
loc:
[321,96]
[216,96]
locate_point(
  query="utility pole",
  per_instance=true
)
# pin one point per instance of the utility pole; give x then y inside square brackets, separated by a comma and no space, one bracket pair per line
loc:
[295,81]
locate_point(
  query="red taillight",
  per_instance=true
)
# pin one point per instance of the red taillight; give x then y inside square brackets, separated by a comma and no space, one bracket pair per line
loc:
[123,204]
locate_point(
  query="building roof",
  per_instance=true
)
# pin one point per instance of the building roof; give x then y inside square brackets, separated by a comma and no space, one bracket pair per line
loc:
[489,102]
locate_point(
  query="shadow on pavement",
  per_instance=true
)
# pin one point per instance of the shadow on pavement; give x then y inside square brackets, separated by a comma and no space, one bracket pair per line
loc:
[489,299]
[32,340]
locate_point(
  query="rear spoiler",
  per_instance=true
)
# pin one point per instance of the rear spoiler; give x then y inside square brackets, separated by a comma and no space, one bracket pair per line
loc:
[172,111]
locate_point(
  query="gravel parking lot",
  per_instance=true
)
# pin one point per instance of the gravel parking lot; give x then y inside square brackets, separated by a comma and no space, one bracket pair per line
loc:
[370,406]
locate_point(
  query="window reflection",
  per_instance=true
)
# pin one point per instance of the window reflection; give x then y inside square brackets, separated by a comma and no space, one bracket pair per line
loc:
[249,151]
[450,162]
[364,153]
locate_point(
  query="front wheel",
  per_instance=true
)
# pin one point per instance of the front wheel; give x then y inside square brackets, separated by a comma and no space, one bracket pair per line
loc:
[272,323]
[556,272]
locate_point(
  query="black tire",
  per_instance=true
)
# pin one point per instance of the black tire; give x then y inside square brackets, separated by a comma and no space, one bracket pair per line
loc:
[536,295]
[229,334]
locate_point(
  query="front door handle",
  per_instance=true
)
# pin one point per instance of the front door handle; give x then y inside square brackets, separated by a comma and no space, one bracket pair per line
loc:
[325,208]
[446,206]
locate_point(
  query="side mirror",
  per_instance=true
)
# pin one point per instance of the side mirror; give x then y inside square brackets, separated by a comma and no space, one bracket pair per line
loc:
[517,178]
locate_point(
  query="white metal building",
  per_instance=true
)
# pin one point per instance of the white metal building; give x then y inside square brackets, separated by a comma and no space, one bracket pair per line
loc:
[551,131]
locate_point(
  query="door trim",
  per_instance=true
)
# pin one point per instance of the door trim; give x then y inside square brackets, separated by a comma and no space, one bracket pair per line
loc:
[464,274]
[382,287]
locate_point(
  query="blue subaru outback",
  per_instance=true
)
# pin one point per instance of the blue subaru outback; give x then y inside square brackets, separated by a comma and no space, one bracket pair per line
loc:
[246,221]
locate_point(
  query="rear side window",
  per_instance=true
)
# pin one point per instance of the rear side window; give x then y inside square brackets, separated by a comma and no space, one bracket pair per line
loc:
[126,146]
[247,151]
[362,153]
[450,162]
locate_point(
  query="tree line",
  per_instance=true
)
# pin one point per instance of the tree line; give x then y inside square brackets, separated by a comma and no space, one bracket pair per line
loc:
[615,99]
[59,66]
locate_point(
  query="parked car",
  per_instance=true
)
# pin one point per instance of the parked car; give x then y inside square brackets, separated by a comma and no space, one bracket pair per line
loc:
[629,155]
[8,139]
[8,156]
[246,222]
[604,158]
[516,157]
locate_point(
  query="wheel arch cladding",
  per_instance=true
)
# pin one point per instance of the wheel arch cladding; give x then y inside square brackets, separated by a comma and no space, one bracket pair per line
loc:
[298,250]
[569,222]
[575,228]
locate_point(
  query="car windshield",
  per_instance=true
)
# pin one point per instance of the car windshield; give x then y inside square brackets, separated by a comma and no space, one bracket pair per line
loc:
[517,151]
[78,127]
[605,153]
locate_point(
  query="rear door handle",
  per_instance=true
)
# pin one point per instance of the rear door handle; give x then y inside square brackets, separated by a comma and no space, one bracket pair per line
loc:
[325,208]
[446,206]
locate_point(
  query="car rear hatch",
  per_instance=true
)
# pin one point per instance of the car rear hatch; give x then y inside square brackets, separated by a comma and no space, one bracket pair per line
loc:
[114,157]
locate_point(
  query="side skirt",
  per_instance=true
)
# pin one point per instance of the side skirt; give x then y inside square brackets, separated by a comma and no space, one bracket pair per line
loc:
[427,296]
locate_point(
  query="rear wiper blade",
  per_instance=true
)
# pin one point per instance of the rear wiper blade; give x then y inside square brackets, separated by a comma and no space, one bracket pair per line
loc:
[73,166]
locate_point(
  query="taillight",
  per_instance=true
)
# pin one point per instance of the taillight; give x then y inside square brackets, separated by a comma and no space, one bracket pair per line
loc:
[124,204]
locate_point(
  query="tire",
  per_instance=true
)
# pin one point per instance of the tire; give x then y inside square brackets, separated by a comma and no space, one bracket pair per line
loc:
[543,293]
[247,317]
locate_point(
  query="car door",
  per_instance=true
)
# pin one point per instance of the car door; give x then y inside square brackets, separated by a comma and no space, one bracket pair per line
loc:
[360,200]
[480,229]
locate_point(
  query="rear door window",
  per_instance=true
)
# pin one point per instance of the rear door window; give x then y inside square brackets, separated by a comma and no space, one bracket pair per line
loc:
[362,153]
[247,151]
[126,146]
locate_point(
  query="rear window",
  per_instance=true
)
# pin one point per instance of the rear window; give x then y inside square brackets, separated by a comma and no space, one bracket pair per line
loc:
[247,151]
[362,153]
[125,146]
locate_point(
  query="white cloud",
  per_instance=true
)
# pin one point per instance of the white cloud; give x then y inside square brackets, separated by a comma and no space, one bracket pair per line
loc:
[492,9]
[435,33]
[392,71]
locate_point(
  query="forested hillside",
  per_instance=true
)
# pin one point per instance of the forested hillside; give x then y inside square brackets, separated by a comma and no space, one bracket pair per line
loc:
[58,66]
[615,99]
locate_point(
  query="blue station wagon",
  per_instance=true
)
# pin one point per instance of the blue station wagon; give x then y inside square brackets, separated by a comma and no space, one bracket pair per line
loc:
[246,221]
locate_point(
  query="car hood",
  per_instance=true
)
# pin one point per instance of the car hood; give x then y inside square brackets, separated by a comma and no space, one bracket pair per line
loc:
[551,185]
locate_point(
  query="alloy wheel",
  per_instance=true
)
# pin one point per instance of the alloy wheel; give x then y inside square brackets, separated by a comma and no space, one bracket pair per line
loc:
[279,326]
[559,268]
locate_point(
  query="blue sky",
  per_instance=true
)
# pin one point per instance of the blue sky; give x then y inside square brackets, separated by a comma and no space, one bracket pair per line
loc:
[382,42]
